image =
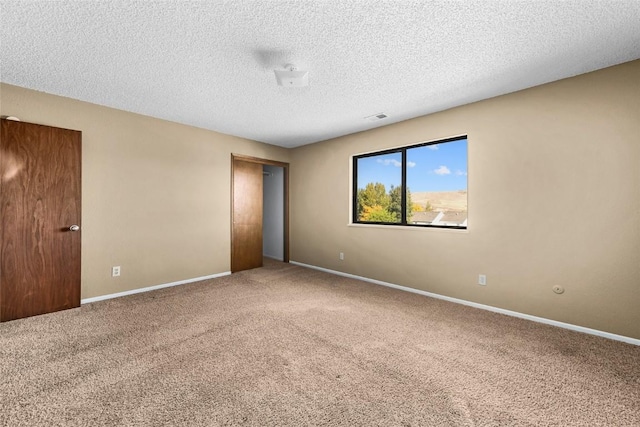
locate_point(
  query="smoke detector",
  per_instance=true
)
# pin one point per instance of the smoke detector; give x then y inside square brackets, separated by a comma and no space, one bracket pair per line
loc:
[292,77]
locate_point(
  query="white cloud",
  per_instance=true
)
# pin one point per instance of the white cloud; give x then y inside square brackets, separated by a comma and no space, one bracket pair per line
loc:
[411,164]
[442,170]
[432,147]
[461,173]
[388,162]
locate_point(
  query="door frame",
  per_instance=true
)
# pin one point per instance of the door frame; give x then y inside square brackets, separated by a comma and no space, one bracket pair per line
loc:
[285,167]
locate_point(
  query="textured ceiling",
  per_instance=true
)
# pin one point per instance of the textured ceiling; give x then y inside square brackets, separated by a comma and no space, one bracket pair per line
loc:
[210,64]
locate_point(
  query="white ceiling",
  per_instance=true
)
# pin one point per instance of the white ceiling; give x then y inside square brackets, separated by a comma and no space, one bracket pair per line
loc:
[210,63]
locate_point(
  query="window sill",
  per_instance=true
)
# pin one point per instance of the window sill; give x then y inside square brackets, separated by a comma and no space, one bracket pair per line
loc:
[409,227]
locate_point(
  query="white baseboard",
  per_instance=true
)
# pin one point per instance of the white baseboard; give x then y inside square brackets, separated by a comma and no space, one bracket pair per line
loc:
[577,328]
[152,288]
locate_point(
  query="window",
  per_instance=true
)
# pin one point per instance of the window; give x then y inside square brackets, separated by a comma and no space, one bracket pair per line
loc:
[434,175]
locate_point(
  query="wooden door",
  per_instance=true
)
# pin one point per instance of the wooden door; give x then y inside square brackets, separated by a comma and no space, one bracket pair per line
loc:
[246,227]
[39,202]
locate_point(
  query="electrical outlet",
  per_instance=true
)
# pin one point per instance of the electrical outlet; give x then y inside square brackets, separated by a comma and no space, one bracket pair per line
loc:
[341,256]
[482,280]
[115,271]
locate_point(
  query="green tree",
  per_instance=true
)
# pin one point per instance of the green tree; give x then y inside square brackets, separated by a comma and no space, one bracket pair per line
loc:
[373,195]
[376,205]
[378,214]
[409,205]
[395,206]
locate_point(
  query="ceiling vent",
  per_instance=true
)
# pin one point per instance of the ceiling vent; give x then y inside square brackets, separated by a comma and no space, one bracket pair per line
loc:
[376,117]
[291,77]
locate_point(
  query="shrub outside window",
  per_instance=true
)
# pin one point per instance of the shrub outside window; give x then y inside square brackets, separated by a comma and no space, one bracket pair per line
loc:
[418,185]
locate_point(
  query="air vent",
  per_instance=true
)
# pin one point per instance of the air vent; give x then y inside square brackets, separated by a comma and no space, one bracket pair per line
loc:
[376,117]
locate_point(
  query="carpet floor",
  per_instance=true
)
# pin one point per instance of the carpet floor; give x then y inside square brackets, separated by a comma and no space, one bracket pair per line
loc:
[287,346]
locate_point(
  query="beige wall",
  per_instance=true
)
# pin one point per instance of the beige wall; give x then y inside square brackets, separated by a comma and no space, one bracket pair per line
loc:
[155,194]
[554,198]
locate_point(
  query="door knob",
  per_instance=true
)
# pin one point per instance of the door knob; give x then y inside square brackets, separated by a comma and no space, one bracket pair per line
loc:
[74,228]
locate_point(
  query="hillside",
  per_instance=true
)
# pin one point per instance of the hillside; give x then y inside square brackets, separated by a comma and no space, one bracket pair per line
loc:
[442,200]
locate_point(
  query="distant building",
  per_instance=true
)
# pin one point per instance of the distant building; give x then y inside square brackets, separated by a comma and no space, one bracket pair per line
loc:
[424,217]
[450,218]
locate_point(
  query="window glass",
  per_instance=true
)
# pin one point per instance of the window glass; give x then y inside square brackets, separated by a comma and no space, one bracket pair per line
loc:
[437,184]
[379,188]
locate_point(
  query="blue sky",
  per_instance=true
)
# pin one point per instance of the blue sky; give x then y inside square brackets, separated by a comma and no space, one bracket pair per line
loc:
[441,167]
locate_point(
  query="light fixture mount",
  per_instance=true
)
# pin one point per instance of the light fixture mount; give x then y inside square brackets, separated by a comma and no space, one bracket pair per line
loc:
[292,77]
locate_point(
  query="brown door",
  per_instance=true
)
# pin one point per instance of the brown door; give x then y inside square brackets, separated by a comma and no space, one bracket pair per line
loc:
[246,228]
[39,207]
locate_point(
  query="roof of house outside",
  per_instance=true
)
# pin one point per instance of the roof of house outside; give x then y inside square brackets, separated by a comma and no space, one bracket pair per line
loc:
[439,217]
[423,217]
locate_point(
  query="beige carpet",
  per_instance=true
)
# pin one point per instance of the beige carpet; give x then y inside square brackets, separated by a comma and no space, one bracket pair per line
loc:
[287,346]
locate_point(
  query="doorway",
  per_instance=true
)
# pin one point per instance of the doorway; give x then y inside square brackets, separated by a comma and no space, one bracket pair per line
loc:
[259,211]
[273,212]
